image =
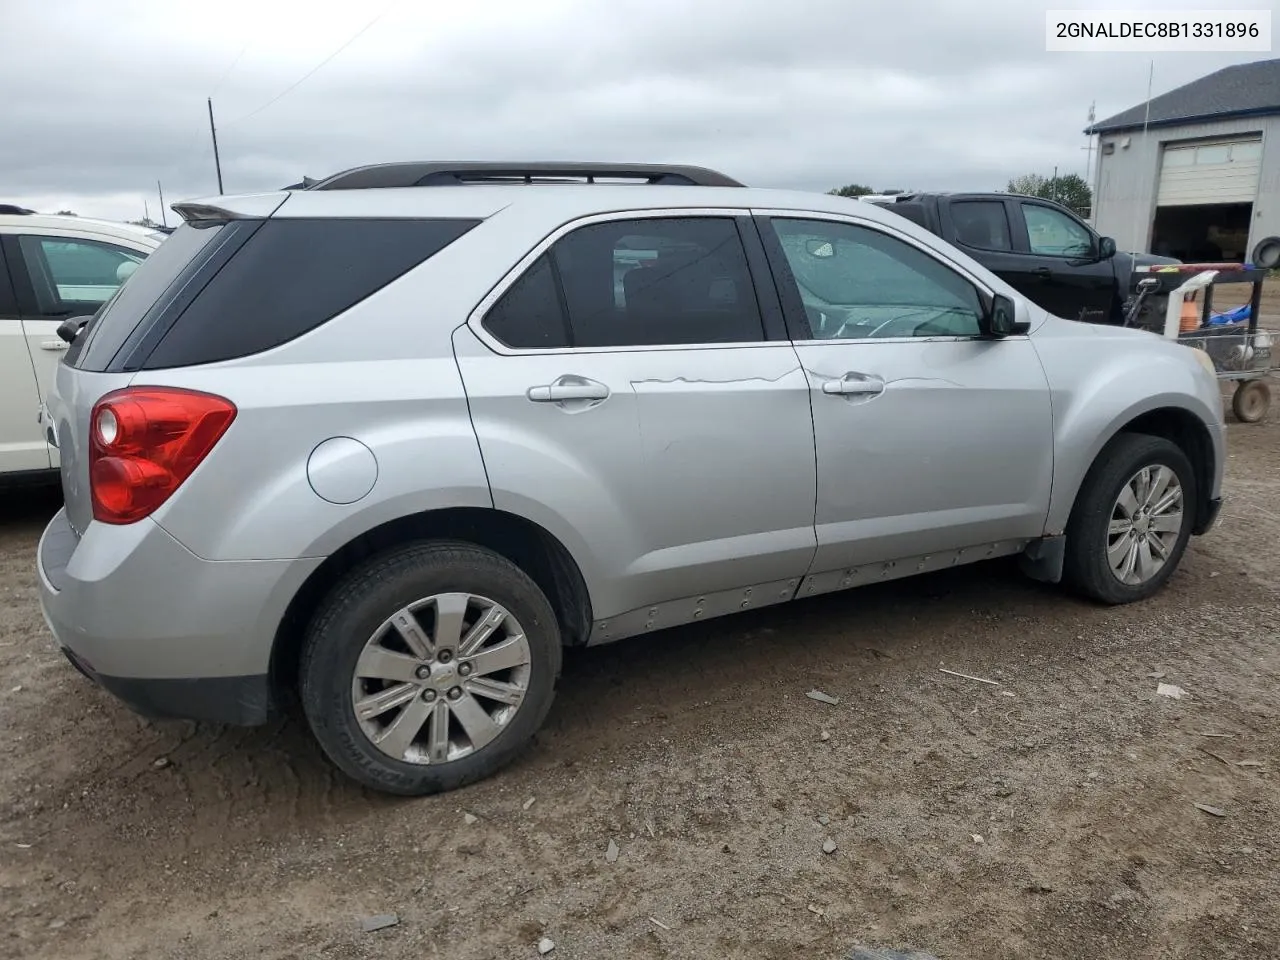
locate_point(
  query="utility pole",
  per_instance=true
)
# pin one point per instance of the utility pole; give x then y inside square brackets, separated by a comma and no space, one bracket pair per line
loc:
[1054,188]
[1088,164]
[213,132]
[160,190]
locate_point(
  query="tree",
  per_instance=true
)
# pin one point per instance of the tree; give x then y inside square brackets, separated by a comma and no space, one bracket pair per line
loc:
[851,190]
[66,213]
[1070,190]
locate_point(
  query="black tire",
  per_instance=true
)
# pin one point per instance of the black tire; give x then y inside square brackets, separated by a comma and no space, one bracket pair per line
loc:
[365,599]
[1086,566]
[1251,401]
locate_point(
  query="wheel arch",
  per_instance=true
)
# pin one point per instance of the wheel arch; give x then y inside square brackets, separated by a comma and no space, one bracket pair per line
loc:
[1181,427]
[526,544]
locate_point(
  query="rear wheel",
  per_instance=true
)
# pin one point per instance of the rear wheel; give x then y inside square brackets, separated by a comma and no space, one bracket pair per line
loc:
[1132,520]
[1251,401]
[429,667]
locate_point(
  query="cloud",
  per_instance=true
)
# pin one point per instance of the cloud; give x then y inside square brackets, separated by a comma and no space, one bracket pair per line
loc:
[806,94]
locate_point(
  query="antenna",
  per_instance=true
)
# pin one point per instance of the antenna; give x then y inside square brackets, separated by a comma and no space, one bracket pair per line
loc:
[213,132]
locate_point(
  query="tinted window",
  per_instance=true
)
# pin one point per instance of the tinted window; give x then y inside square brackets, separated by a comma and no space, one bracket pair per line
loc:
[529,316]
[857,283]
[1052,233]
[75,274]
[291,276]
[660,281]
[8,302]
[982,224]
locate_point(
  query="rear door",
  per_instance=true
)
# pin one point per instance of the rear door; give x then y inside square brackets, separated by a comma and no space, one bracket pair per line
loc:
[22,445]
[1056,264]
[634,392]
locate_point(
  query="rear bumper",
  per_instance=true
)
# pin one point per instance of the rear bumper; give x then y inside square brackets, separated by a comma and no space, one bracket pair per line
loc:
[243,701]
[170,634]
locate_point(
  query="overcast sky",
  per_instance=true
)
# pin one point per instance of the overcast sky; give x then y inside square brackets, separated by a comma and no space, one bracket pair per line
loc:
[104,97]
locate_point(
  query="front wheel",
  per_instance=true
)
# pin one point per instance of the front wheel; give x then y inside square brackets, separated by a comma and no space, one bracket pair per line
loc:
[1132,520]
[429,667]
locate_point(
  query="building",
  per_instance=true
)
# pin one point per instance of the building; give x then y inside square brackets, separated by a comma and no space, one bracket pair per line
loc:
[1203,181]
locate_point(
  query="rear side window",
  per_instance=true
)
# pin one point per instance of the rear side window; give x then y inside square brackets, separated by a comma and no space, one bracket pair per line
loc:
[529,315]
[982,224]
[290,277]
[634,283]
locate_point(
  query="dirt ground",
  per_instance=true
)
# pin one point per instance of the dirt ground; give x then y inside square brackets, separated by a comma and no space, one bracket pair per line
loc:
[1052,816]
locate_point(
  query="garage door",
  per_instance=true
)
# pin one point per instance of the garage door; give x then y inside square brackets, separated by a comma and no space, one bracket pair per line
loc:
[1222,171]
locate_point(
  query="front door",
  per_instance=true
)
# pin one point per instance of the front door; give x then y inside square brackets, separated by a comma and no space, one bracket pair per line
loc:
[58,277]
[628,399]
[934,445]
[22,444]
[1055,266]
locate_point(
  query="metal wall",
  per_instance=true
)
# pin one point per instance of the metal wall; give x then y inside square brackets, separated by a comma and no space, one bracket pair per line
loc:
[1125,182]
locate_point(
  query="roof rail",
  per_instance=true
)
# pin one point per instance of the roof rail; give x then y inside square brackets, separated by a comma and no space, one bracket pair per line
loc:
[14,210]
[438,174]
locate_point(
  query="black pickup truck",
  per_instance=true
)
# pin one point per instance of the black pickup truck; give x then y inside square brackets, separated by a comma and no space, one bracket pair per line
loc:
[1040,248]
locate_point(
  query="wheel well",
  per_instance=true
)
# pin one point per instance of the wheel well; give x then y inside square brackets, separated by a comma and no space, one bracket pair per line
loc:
[524,543]
[1185,429]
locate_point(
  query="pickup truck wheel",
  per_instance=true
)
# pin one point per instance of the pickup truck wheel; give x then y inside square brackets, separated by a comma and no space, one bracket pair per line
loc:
[1131,520]
[429,667]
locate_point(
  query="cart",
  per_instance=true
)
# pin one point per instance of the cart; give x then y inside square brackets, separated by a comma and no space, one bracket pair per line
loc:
[1241,353]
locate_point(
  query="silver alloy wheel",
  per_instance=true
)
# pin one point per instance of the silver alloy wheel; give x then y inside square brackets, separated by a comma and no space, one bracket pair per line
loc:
[439,679]
[1146,521]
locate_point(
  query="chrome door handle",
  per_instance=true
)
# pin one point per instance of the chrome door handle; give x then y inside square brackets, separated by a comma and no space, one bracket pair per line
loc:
[852,384]
[54,344]
[568,388]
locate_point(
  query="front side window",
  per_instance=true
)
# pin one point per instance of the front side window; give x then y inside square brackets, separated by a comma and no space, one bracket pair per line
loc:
[68,273]
[1054,234]
[634,283]
[857,283]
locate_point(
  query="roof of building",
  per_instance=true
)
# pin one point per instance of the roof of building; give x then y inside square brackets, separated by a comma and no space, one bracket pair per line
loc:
[1246,89]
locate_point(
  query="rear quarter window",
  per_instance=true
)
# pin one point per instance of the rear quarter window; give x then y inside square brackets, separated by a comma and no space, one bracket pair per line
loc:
[291,276]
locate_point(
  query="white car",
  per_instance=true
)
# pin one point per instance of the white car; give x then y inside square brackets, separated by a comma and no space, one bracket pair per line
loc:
[52,268]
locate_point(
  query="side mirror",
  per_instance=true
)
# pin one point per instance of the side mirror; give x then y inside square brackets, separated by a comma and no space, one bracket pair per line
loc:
[1002,318]
[1106,248]
[70,328]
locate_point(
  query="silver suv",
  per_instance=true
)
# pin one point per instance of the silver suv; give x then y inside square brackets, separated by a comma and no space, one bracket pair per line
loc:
[393,440]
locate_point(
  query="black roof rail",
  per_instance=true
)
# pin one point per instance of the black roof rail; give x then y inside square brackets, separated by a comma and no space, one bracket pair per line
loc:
[439,173]
[14,210]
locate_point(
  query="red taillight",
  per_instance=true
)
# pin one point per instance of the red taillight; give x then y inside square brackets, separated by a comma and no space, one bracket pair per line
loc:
[144,442]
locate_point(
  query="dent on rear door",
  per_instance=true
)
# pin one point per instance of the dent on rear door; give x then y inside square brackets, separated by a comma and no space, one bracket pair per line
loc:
[693,477]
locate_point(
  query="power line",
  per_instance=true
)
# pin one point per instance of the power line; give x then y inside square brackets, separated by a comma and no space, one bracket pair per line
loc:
[226,73]
[297,83]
